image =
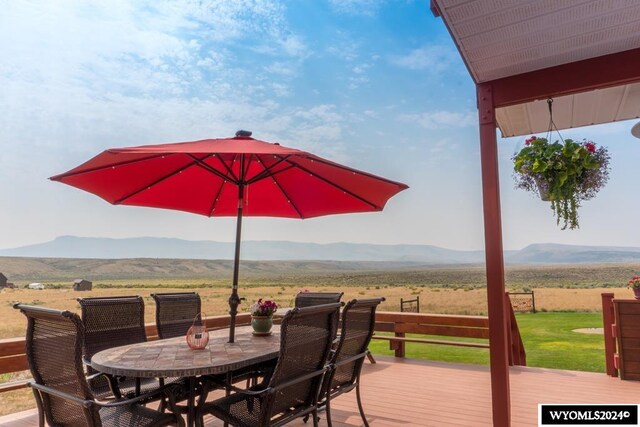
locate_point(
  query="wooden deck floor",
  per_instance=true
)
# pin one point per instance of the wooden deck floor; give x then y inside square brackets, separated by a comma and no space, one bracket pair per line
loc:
[406,392]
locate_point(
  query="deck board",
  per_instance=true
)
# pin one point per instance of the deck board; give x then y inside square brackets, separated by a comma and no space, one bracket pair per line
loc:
[410,392]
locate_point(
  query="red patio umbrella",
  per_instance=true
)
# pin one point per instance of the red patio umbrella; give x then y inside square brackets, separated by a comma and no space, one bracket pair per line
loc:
[239,176]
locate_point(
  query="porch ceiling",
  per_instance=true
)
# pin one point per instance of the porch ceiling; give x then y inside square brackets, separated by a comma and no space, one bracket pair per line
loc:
[503,38]
[587,108]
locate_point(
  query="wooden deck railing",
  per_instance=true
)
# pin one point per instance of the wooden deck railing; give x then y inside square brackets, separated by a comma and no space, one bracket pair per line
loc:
[13,358]
[441,325]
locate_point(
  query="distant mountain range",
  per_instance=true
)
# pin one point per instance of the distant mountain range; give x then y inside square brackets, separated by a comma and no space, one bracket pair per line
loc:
[153,247]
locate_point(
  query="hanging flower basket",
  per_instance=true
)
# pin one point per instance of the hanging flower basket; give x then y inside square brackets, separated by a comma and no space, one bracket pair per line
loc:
[564,174]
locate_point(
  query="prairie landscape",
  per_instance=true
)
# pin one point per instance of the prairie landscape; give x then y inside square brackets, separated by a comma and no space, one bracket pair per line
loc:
[567,297]
[450,290]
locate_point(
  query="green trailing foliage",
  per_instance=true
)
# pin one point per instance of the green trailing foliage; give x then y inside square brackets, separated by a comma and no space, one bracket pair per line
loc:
[564,174]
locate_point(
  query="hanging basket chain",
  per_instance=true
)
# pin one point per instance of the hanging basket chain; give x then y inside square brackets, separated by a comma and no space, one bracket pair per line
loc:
[552,124]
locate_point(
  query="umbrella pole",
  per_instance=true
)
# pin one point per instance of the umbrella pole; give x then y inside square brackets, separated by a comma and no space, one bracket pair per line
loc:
[234,299]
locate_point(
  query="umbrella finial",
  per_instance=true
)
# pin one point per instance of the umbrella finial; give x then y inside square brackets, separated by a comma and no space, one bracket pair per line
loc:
[243,133]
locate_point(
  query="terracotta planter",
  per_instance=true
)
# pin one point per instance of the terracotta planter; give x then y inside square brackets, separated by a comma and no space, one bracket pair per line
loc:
[636,293]
[261,324]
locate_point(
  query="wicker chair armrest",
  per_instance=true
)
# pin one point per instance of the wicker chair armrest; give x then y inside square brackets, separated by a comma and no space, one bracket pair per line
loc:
[349,360]
[61,394]
[142,398]
[297,380]
[96,375]
[231,387]
[113,382]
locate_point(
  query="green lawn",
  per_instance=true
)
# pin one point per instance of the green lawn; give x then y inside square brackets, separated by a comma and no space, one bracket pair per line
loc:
[548,341]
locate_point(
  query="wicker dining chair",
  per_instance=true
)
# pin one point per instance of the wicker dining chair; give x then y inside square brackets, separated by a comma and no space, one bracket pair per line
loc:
[357,325]
[292,390]
[63,396]
[309,299]
[175,313]
[112,322]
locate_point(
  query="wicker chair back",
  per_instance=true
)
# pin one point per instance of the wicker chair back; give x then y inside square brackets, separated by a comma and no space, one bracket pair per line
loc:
[54,352]
[175,313]
[309,299]
[358,322]
[307,335]
[110,322]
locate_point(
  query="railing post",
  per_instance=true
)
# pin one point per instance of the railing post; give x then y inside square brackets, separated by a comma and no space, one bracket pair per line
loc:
[399,346]
[609,339]
[533,301]
[517,354]
[507,318]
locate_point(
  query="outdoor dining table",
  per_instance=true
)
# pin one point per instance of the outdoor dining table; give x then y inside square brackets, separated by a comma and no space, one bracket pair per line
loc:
[173,358]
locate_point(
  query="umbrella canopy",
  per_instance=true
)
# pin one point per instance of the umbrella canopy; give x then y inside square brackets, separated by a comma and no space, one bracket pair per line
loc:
[239,176]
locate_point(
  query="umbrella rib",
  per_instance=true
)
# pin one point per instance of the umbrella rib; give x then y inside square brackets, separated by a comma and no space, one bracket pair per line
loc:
[215,199]
[148,186]
[277,172]
[229,170]
[333,184]
[346,168]
[214,171]
[109,166]
[267,172]
[286,195]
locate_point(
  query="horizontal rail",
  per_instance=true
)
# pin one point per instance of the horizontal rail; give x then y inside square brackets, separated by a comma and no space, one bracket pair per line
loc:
[435,319]
[13,385]
[11,346]
[430,341]
[444,325]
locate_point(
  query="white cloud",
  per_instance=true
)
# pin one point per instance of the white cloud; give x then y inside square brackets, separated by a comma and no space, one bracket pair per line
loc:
[344,46]
[441,119]
[294,46]
[357,81]
[357,7]
[361,68]
[430,57]
[152,48]
[280,89]
[282,68]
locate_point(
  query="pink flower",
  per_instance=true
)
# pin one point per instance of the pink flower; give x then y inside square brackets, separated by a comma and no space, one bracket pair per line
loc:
[529,140]
[590,146]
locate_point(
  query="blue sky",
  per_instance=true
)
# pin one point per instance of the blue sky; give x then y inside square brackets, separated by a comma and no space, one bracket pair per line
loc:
[376,85]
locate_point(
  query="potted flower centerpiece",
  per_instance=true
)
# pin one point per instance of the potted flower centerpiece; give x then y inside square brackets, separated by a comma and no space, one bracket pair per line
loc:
[564,174]
[262,316]
[634,283]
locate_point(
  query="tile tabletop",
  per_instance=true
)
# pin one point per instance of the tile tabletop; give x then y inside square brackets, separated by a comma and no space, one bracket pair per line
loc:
[173,357]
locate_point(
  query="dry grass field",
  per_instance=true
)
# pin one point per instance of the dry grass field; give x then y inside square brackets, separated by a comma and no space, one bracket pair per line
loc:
[452,289]
[214,299]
